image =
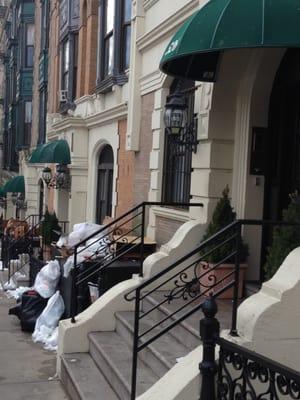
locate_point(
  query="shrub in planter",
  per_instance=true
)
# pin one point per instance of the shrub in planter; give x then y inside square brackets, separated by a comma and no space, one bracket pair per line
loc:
[223,215]
[49,226]
[285,238]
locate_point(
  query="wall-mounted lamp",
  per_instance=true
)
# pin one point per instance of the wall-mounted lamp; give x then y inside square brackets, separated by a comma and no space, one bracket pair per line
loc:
[176,122]
[61,180]
[21,203]
[14,198]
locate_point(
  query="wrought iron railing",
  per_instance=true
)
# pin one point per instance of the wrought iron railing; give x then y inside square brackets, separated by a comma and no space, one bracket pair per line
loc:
[124,237]
[240,373]
[192,278]
[25,243]
[9,243]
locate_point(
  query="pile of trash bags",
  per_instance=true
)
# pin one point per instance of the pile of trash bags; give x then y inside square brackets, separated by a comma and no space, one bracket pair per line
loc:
[96,247]
[41,307]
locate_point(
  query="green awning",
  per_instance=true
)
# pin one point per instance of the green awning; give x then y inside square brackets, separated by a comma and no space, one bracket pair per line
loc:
[194,50]
[57,152]
[15,185]
[36,154]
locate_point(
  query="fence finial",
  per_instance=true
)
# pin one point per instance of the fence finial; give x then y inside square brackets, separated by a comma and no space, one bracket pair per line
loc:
[209,331]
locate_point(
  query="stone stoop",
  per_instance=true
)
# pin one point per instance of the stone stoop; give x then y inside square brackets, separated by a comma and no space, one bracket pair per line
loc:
[105,371]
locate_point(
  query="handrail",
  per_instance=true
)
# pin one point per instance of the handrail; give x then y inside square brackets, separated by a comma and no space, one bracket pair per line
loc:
[112,248]
[187,280]
[181,260]
[240,370]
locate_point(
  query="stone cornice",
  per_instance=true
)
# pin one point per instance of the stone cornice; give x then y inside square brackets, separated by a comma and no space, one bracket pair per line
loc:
[103,117]
[167,27]
[68,122]
[149,3]
[152,82]
[171,213]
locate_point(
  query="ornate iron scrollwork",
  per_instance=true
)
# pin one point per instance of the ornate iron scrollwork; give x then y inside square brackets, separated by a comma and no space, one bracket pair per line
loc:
[242,378]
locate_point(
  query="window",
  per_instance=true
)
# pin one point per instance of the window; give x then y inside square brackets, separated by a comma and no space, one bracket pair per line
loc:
[63,12]
[29,53]
[27,122]
[42,116]
[114,43]
[45,24]
[109,37]
[126,34]
[177,155]
[65,65]
[70,66]
[75,66]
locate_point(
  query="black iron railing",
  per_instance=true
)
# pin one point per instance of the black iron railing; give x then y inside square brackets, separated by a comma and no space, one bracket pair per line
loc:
[11,247]
[124,237]
[240,373]
[192,278]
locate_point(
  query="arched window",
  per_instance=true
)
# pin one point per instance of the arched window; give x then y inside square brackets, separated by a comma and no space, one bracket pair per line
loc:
[177,156]
[105,184]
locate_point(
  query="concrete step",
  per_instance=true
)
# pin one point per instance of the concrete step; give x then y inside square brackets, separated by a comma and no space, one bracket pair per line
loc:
[160,355]
[82,379]
[186,332]
[114,359]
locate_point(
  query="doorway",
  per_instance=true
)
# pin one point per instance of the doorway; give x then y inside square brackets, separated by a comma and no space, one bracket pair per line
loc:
[282,175]
[283,153]
[105,184]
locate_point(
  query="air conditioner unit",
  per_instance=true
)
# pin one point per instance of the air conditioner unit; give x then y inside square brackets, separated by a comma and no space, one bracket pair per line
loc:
[63,96]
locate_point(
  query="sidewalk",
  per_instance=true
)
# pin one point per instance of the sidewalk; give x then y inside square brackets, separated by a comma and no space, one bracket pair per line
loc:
[25,367]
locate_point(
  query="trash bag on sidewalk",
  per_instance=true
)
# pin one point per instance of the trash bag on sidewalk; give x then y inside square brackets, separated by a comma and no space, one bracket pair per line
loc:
[47,279]
[29,309]
[48,320]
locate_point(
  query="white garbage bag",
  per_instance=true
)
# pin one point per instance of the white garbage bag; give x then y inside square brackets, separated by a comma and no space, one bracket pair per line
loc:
[48,320]
[52,341]
[62,241]
[10,285]
[47,279]
[17,293]
[81,232]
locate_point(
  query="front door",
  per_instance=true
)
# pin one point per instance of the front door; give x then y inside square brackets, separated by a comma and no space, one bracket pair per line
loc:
[283,151]
[283,174]
[105,184]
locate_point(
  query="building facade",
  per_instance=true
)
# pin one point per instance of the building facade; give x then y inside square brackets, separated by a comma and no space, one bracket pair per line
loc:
[97,85]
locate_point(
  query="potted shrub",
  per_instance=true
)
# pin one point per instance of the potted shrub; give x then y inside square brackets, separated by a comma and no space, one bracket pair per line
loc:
[285,238]
[223,215]
[49,227]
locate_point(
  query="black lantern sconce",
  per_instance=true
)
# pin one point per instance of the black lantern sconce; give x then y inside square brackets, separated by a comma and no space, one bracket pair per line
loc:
[21,203]
[14,198]
[61,180]
[47,175]
[176,122]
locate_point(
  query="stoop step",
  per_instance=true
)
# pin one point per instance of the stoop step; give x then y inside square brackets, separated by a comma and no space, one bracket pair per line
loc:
[160,355]
[114,358]
[105,372]
[83,380]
